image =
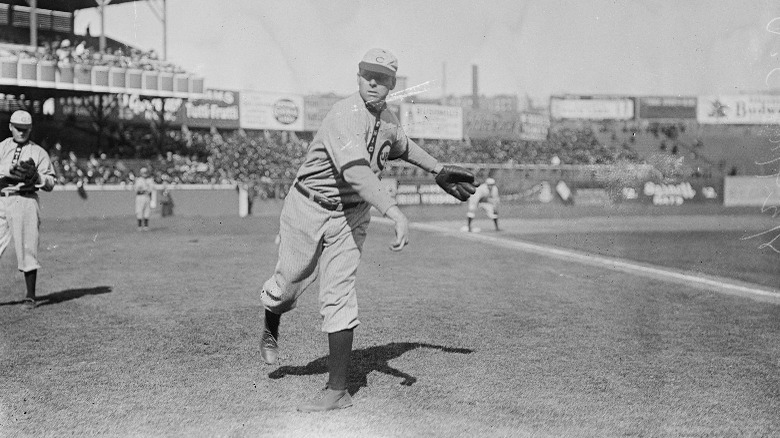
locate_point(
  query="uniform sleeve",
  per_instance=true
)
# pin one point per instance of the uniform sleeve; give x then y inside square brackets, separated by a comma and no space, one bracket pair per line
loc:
[5,165]
[45,172]
[416,155]
[344,137]
[368,186]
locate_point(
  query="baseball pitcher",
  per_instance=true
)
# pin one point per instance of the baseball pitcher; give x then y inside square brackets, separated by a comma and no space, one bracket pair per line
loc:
[325,216]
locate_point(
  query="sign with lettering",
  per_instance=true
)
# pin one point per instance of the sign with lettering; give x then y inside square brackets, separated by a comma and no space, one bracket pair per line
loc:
[128,108]
[217,108]
[274,111]
[739,109]
[432,121]
[509,125]
[591,108]
[666,107]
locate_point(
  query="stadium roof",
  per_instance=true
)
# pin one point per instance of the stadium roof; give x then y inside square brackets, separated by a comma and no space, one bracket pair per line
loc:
[69,5]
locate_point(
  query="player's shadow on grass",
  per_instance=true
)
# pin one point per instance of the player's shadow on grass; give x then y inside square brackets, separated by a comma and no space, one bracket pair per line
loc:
[65,295]
[365,361]
[71,294]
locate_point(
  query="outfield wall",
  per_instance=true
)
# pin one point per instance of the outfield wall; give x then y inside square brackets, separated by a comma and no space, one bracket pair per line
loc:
[111,201]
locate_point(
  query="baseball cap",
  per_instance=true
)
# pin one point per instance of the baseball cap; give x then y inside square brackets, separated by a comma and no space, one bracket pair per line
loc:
[490,181]
[21,119]
[380,61]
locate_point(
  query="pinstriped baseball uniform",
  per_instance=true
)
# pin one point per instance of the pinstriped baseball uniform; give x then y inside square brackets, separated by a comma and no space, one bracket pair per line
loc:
[320,243]
[19,209]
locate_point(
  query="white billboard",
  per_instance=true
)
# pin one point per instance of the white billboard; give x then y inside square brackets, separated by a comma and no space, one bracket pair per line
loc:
[432,121]
[752,191]
[586,108]
[275,111]
[739,109]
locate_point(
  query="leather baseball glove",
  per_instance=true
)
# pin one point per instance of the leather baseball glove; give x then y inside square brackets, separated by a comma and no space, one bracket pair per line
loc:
[457,181]
[26,172]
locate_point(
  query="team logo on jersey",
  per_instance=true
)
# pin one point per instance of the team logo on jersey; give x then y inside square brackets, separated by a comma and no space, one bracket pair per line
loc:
[286,111]
[383,155]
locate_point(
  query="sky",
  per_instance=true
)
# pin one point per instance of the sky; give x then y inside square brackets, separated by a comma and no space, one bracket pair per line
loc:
[533,48]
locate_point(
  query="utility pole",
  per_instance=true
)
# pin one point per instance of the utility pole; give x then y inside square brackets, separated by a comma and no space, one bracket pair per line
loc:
[162,14]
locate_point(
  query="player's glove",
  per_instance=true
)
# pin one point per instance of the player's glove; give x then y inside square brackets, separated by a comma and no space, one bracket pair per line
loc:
[7,181]
[457,181]
[26,172]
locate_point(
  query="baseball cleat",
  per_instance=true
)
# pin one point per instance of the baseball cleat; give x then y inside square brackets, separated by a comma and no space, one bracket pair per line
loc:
[29,304]
[269,348]
[328,400]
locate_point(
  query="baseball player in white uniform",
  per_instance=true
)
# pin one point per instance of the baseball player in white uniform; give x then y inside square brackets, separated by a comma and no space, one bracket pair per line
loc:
[325,216]
[485,198]
[25,168]
[143,186]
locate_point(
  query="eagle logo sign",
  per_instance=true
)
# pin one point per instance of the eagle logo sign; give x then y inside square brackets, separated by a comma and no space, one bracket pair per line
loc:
[718,109]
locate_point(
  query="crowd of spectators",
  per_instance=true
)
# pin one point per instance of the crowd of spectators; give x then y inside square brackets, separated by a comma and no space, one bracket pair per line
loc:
[268,160]
[83,50]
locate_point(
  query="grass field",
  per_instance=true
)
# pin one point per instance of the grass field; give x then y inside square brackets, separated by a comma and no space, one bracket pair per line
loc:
[157,333]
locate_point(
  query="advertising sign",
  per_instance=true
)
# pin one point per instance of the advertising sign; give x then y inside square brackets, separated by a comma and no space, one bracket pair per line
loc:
[487,124]
[128,108]
[415,194]
[666,107]
[534,126]
[739,110]
[273,111]
[672,194]
[752,191]
[217,108]
[592,108]
[432,121]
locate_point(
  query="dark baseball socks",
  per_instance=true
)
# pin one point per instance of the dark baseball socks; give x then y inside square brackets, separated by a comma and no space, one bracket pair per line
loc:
[272,323]
[30,279]
[340,346]
[335,394]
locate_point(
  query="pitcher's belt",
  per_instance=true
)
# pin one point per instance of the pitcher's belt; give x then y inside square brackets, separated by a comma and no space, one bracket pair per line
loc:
[322,200]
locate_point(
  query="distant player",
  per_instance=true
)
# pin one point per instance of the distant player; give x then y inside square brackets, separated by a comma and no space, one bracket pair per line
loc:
[486,198]
[325,216]
[143,186]
[25,168]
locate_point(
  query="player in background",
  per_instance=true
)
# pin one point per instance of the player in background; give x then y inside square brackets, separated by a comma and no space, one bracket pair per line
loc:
[25,168]
[143,186]
[486,198]
[325,216]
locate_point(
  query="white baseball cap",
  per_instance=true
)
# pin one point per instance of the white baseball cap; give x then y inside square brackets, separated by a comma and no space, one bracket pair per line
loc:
[379,61]
[490,181]
[21,119]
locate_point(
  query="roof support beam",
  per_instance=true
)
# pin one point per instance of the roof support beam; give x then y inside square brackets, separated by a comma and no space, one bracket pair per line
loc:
[33,22]
[160,11]
[101,10]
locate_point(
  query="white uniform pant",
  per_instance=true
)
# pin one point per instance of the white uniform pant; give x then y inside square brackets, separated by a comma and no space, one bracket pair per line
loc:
[143,206]
[20,218]
[489,208]
[318,243]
